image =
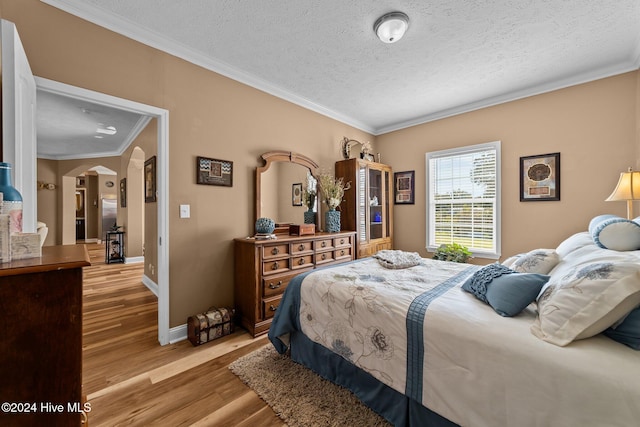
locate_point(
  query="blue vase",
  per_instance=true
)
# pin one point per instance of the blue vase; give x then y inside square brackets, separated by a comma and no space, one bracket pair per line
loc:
[11,199]
[265,226]
[332,220]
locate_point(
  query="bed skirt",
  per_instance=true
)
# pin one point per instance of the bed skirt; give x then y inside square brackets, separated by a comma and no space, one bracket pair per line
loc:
[395,407]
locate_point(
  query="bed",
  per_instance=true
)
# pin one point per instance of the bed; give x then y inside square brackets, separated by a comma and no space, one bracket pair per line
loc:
[421,344]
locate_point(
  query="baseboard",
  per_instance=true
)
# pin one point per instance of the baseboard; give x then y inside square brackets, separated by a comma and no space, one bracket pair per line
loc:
[153,286]
[133,260]
[178,333]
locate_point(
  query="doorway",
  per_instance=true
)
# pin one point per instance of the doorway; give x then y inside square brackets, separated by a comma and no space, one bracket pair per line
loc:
[162,184]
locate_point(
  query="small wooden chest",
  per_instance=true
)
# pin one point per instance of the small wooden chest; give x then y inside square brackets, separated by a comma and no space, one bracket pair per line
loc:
[302,229]
[214,323]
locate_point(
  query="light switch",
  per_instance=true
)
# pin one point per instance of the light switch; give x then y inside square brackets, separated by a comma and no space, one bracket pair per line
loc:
[185,211]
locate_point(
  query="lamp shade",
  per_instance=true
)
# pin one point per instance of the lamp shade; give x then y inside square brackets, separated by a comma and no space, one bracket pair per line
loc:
[391,27]
[628,189]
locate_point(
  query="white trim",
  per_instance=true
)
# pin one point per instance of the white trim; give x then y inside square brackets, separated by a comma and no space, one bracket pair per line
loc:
[121,25]
[514,96]
[133,260]
[162,185]
[149,283]
[178,333]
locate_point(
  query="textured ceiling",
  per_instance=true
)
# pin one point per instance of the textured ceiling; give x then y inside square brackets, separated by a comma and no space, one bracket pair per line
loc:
[67,128]
[456,56]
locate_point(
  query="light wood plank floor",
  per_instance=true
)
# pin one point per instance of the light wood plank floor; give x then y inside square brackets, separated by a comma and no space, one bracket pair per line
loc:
[129,379]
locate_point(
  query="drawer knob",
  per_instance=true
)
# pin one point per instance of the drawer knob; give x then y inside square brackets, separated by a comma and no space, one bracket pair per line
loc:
[324,244]
[275,266]
[272,307]
[342,252]
[342,241]
[275,285]
[301,261]
[301,247]
[275,251]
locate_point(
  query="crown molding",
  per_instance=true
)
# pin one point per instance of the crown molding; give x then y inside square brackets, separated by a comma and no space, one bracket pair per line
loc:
[121,25]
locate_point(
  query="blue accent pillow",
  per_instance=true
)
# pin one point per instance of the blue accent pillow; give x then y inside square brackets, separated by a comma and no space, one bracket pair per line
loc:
[505,290]
[615,233]
[627,332]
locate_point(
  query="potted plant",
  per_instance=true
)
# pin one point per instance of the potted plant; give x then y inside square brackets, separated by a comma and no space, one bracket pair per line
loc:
[453,252]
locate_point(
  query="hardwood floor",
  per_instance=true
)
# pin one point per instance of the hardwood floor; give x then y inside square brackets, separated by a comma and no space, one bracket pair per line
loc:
[129,379]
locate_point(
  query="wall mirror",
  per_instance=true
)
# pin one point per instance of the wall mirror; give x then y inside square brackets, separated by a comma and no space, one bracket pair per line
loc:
[276,183]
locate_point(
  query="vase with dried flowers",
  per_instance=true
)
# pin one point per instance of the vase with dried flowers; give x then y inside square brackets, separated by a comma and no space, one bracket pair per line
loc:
[332,190]
[309,199]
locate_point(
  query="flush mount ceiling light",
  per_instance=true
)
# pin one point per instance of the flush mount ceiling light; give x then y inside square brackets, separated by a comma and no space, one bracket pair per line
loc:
[391,27]
[108,130]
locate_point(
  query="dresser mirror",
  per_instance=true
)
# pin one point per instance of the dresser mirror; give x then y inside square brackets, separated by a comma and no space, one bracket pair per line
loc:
[278,184]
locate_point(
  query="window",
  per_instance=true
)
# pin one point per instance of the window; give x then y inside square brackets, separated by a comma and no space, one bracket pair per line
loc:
[463,198]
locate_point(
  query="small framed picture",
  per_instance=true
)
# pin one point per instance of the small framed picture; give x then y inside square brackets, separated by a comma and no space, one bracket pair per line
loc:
[296,194]
[404,188]
[150,180]
[540,178]
[214,172]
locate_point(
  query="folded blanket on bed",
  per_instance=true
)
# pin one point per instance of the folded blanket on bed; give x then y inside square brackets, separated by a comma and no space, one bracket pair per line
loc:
[397,259]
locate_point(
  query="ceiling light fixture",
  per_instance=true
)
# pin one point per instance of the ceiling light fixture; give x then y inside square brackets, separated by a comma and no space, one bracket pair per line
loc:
[109,130]
[391,27]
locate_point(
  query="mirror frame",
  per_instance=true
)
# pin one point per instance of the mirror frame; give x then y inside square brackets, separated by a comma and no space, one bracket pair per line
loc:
[271,157]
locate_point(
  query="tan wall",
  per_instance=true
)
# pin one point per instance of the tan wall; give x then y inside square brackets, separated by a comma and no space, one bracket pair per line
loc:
[210,116]
[595,128]
[47,172]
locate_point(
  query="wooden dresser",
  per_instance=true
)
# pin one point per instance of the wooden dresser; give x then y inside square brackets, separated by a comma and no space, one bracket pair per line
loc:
[263,269]
[41,345]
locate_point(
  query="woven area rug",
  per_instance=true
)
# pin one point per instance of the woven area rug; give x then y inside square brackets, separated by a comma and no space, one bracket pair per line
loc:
[298,395]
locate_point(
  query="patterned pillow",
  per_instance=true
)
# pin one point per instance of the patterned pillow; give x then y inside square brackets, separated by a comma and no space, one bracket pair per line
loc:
[586,300]
[505,290]
[627,331]
[539,261]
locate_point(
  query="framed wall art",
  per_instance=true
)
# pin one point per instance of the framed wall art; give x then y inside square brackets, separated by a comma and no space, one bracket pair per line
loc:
[404,188]
[123,193]
[296,194]
[214,172]
[540,178]
[150,180]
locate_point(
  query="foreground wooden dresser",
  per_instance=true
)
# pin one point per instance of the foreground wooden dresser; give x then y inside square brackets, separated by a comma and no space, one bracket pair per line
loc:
[263,269]
[41,343]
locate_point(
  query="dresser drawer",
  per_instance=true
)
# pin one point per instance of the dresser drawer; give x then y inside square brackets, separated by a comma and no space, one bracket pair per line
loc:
[324,257]
[297,248]
[275,285]
[342,253]
[269,306]
[324,244]
[275,266]
[303,261]
[275,251]
[342,241]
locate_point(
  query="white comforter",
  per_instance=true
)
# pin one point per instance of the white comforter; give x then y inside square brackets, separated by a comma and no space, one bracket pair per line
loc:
[468,363]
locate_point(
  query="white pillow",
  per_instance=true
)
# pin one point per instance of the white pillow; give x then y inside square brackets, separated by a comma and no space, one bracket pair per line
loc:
[586,300]
[613,232]
[574,242]
[540,261]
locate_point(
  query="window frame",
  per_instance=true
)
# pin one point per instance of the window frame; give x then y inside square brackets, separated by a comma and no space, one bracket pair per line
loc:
[430,215]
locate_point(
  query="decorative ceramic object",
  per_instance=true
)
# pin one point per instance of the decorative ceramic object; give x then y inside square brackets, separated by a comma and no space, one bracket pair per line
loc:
[332,220]
[265,225]
[11,199]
